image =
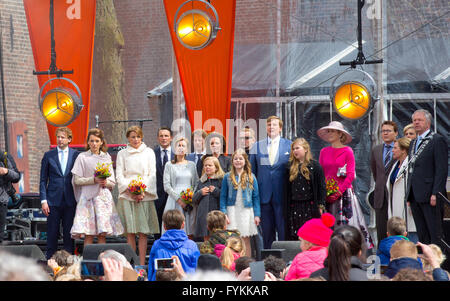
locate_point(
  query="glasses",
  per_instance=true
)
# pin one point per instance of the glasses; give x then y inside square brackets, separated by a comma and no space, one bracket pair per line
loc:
[246,138]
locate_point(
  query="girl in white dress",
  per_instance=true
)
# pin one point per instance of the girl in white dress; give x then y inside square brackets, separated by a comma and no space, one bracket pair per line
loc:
[239,198]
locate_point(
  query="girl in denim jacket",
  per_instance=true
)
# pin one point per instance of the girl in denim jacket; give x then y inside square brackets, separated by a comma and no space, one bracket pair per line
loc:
[239,198]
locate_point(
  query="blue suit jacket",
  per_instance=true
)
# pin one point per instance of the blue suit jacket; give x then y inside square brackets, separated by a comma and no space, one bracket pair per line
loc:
[199,166]
[162,195]
[54,185]
[271,178]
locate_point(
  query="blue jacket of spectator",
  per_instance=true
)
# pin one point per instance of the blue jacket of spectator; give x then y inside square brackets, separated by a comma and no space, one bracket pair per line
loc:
[174,242]
[402,263]
[385,247]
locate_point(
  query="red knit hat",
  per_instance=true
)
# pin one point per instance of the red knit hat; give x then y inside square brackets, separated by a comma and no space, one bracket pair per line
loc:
[317,230]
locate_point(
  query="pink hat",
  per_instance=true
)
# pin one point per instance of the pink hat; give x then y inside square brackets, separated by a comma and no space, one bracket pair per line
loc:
[317,230]
[334,125]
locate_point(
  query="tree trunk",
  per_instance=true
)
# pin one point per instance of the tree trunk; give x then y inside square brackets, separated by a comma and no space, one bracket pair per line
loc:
[108,76]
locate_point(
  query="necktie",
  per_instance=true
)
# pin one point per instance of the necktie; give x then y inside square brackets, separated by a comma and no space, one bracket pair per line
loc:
[198,158]
[63,162]
[387,157]
[271,153]
[417,144]
[165,158]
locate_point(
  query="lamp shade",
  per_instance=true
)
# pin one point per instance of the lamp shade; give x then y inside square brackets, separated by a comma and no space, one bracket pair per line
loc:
[197,27]
[194,29]
[60,105]
[352,100]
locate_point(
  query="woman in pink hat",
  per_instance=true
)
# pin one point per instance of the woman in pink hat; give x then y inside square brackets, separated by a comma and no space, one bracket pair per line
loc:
[338,163]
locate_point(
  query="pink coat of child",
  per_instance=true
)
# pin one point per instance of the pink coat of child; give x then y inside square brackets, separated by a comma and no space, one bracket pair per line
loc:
[315,237]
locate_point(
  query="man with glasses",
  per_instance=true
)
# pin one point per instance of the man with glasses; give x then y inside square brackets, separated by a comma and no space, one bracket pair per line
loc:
[381,163]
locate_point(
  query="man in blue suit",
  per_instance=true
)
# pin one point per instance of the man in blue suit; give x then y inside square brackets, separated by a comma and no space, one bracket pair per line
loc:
[198,141]
[56,191]
[269,159]
[163,154]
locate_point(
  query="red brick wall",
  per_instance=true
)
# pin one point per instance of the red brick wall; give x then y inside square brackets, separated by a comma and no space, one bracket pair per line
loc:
[21,87]
[147,58]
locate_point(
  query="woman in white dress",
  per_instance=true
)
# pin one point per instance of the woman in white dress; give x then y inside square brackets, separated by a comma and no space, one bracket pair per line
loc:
[137,211]
[239,198]
[396,186]
[96,213]
[179,175]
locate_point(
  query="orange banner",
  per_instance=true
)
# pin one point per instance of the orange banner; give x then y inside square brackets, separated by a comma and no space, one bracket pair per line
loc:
[74,26]
[206,73]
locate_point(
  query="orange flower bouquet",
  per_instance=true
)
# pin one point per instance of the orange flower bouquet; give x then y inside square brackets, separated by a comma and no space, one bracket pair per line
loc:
[186,198]
[332,188]
[137,186]
[102,170]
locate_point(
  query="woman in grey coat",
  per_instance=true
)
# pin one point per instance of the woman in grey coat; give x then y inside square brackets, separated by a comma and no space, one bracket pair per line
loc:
[179,175]
[207,194]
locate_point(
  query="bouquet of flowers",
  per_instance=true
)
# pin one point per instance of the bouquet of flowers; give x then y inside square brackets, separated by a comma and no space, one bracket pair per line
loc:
[102,170]
[332,188]
[186,198]
[137,186]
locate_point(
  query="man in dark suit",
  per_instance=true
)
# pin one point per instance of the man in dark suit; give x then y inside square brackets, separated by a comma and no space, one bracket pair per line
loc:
[427,176]
[56,191]
[269,159]
[163,153]
[198,141]
[381,163]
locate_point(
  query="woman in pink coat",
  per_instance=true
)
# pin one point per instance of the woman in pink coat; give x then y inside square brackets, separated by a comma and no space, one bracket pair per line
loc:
[338,164]
[314,238]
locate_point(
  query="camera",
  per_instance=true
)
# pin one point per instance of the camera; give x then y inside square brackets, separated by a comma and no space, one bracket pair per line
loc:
[164,263]
[92,268]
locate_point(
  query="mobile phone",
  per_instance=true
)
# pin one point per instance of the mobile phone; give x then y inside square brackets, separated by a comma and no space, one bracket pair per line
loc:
[419,249]
[92,268]
[257,270]
[164,263]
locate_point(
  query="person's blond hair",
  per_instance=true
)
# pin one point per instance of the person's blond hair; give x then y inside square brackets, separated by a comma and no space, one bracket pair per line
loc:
[232,245]
[273,117]
[216,220]
[294,163]
[409,126]
[396,226]
[440,257]
[404,143]
[246,176]
[403,248]
[219,171]
[176,143]
[66,131]
[135,128]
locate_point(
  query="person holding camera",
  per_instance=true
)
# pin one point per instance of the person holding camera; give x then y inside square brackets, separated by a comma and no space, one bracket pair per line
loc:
[8,175]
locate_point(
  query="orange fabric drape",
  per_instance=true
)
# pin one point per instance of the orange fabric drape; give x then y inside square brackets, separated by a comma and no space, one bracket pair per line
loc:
[206,74]
[74,25]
